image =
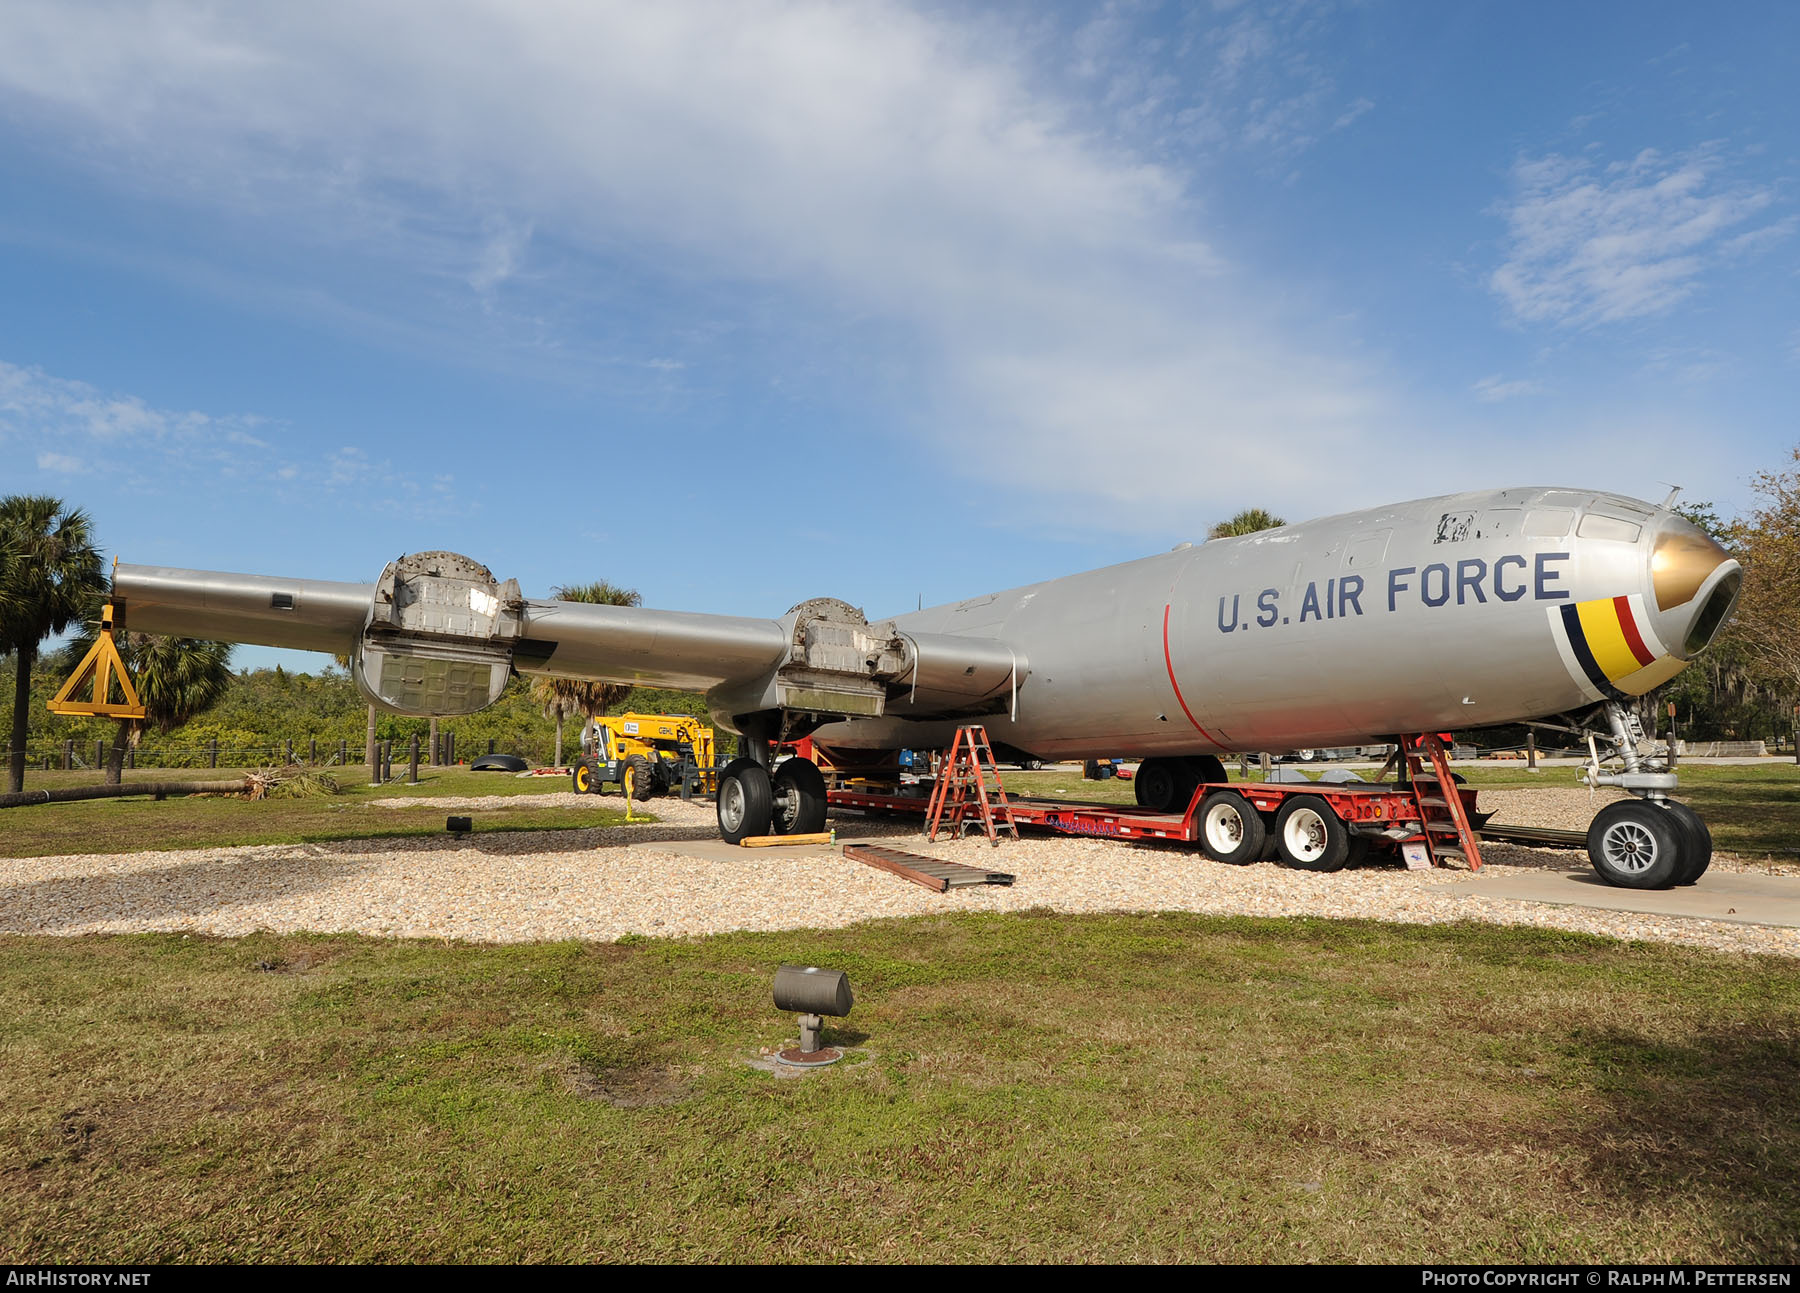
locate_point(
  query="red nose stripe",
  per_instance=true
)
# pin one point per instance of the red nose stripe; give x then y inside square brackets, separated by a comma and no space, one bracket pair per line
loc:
[1633,639]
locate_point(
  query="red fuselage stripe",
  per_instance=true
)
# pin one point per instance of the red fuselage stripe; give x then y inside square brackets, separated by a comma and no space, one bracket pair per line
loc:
[1633,639]
[1169,661]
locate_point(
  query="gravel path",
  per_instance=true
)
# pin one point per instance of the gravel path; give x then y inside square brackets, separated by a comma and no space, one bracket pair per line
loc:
[605,883]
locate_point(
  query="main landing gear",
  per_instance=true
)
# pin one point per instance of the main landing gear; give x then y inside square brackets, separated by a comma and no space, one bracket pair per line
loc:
[1649,841]
[751,802]
[1166,785]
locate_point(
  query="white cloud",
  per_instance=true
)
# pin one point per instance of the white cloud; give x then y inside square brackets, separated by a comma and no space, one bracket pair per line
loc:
[36,407]
[61,462]
[1351,113]
[1590,245]
[882,162]
[1492,390]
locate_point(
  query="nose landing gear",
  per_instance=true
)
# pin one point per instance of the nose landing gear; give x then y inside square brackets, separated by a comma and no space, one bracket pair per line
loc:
[1650,841]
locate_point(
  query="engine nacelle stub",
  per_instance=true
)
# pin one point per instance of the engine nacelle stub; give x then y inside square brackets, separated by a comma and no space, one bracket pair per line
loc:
[439,637]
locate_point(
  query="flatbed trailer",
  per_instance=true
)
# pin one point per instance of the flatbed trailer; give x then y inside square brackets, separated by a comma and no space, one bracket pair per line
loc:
[1372,814]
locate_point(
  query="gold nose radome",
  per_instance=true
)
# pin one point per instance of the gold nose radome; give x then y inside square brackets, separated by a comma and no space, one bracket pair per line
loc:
[1684,558]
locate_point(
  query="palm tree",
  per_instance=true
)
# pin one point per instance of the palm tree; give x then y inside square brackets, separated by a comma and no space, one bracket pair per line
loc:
[177,679]
[1249,521]
[52,575]
[564,697]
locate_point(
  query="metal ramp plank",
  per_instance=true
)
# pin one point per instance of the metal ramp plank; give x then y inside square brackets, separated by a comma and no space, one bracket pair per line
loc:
[931,873]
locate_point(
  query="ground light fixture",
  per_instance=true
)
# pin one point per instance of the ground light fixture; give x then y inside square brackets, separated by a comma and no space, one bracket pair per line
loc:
[812,993]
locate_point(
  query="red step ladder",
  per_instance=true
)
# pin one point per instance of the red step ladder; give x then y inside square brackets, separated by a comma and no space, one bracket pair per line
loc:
[1449,835]
[963,790]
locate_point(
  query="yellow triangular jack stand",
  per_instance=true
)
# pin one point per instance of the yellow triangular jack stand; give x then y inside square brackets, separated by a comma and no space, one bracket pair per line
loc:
[101,664]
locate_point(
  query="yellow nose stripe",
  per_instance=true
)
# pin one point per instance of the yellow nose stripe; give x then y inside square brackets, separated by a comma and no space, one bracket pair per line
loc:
[1606,639]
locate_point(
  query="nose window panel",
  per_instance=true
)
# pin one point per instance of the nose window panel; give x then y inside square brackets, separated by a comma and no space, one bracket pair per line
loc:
[1548,522]
[1609,527]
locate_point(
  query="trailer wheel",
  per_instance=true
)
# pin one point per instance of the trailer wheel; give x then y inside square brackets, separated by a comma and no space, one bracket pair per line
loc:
[1636,845]
[1697,845]
[1231,830]
[1158,784]
[746,801]
[799,798]
[1310,836]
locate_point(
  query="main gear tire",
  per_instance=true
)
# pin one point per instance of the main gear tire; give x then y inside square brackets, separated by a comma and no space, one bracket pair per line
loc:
[1158,785]
[799,798]
[746,801]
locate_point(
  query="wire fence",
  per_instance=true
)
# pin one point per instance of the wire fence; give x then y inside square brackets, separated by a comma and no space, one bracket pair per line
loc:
[76,756]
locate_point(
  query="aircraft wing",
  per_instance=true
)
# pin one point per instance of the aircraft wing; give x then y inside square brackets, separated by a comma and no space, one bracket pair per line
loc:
[438,634]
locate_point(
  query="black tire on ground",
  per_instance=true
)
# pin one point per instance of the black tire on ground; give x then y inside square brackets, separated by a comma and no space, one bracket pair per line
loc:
[1031,765]
[1231,830]
[1310,836]
[799,798]
[643,777]
[1157,785]
[582,779]
[1697,845]
[746,803]
[1636,845]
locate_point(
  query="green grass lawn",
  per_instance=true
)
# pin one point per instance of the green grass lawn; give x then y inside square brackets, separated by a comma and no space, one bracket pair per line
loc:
[127,825]
[1029,1088]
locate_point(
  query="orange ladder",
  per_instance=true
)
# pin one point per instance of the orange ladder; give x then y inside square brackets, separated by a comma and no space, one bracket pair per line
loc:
[962,789]
[1449,835]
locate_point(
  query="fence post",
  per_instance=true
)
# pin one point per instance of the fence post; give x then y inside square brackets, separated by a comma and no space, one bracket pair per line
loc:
[387,761]
[212,752]
[1531,749]
[343,753]
[413,780]
[312,754]
[490,745]
[68,755]
[450,748]
[1264,760]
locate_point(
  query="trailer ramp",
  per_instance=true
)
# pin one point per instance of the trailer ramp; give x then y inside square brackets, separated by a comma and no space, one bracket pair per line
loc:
[931,873]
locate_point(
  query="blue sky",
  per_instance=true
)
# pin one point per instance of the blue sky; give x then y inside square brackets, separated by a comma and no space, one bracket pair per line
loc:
[743,303]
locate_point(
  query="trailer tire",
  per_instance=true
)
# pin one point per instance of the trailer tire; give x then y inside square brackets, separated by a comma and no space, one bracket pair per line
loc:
[1696,844]
[1308,835]
[1231,830]
[799,798]
[1635,844]
[746,802]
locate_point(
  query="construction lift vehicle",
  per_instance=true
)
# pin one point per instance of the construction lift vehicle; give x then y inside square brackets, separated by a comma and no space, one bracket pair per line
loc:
[660,754]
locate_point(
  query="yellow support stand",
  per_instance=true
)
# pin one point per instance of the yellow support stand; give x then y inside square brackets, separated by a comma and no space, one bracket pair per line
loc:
[102,666]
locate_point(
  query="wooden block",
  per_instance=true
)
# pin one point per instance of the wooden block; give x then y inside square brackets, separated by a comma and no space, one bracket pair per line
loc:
[775,841]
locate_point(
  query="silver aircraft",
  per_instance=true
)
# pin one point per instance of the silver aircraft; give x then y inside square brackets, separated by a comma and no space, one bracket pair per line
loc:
[1470,610]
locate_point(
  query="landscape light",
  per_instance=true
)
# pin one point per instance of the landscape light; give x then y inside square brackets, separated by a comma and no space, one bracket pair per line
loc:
[812,992]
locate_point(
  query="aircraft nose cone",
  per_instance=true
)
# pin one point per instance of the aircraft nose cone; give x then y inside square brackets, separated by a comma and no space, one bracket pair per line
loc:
[1695,583]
